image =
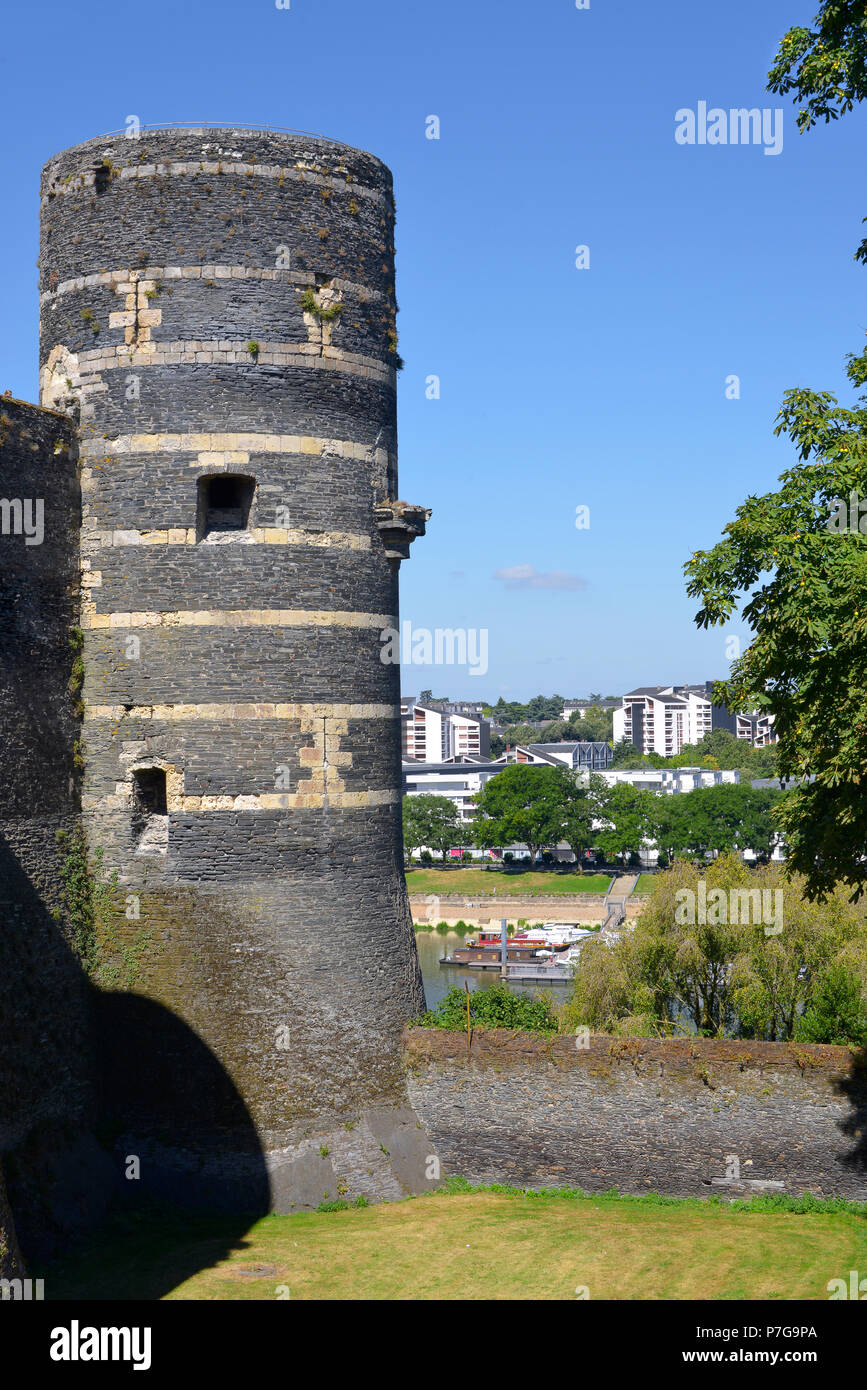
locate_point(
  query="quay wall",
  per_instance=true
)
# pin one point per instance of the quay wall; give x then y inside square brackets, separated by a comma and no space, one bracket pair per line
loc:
[476,912]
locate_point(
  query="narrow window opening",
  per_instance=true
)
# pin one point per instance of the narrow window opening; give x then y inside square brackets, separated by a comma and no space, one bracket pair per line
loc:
[224,506]
[150,812]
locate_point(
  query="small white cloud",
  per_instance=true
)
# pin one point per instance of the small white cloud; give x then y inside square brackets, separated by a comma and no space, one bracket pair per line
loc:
[528,577]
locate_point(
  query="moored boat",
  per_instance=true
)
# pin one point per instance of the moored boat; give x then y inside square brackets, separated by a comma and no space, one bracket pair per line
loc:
[540,945]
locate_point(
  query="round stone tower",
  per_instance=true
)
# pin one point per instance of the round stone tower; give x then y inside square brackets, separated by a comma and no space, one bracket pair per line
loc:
[218,307]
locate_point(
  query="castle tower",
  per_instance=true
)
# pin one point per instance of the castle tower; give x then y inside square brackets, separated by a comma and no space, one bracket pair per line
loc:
[219,307]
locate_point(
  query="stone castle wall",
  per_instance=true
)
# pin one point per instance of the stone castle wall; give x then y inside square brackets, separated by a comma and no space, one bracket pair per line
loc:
[47,1087]
[38,793]
[641,1115]
[272,917]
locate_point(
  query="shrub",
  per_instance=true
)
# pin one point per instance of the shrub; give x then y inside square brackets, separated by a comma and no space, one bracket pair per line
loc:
[836,1013]
[496,1007]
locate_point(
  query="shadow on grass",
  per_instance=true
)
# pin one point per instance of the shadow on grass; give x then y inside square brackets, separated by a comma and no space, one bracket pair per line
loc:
[121,1134]
[146,1255]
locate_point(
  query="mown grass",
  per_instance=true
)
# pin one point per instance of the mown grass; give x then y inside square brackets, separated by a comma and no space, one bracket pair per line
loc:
[535,884]
[480,1243]
[645,883]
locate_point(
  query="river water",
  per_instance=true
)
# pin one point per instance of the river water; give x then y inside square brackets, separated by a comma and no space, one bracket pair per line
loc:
[439,979]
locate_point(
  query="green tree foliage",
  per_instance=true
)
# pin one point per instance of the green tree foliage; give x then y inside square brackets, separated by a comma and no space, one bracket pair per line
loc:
[493,1007]
[510,713]
[498,746]
[825,67]
[837,1012]
[535,806]
[803,573]
[521,733]
[553,733]
[806,662]
[545,707]
[582,815]
[597,726]
[723,977]
[629,817]
[432,821]
[627,756]
[717,819]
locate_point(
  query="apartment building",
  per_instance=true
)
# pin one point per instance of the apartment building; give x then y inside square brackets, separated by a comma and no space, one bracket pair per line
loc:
[588,755]
[434,731]
[459,781]
[663,719]
[673,781]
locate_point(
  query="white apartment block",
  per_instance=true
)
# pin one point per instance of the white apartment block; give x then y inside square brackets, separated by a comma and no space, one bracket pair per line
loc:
[672,781]
[422,734]
[663,719]
[458,781]
[433,734]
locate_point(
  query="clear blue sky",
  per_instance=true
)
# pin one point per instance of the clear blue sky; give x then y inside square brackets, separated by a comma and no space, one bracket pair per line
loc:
[560,387]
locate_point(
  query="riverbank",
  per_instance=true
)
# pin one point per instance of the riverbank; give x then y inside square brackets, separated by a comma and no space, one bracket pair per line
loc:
[482,912]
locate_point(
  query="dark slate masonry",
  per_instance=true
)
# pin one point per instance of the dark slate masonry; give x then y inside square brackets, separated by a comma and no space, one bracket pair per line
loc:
[220,306]
[644,1116]
[47,1091]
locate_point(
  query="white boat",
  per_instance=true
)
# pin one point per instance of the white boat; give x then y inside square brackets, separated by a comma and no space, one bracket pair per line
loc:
[556,935]
[570,954]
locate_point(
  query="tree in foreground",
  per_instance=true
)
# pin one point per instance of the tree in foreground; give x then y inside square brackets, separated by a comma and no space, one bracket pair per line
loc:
[825,67]
[494,1006]
[807,661]
[837,1012]
[799,554]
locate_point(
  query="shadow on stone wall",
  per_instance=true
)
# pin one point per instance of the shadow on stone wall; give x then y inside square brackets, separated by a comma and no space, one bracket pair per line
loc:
[854,1088]
[96,1087]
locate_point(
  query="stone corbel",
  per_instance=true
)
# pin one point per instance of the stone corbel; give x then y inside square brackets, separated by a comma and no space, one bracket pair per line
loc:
[399,524]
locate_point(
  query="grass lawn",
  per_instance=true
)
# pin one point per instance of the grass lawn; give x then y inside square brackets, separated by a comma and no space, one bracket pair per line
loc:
[497,884]
[645,883]
[483,1244]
